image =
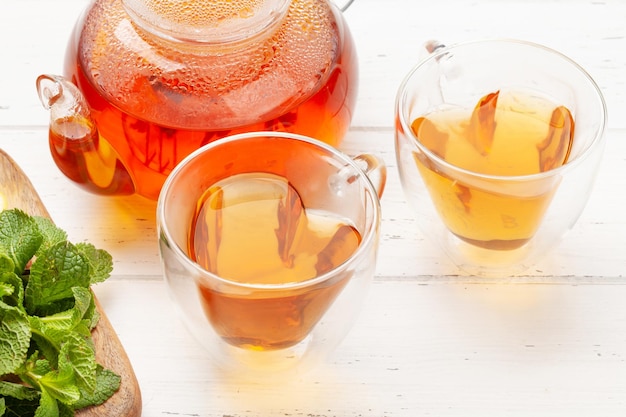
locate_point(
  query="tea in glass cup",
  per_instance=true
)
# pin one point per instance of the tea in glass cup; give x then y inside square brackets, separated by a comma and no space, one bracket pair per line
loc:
[269,249]
[498,143]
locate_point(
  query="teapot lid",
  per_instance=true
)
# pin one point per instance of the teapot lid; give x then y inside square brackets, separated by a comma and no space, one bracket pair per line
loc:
[207,21]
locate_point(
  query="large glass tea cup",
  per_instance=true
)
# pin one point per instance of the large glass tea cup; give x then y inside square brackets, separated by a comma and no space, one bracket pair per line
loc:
[268,242]
[498,143]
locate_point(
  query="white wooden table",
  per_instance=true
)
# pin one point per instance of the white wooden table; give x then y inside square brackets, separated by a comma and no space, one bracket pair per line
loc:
[430,341]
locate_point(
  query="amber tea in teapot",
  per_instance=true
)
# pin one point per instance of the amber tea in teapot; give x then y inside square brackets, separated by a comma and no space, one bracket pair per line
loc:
[149,81]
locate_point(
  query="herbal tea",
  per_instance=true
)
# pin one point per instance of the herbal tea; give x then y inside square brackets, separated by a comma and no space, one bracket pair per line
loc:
[508,133]
[154,104]
[252,229]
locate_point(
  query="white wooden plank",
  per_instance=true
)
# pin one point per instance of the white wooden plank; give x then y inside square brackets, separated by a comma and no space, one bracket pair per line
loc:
[417,349]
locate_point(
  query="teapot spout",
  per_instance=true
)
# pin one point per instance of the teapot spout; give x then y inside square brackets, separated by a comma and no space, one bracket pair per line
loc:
[75,144]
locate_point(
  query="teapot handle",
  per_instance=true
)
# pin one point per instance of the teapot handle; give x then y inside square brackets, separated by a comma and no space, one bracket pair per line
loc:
[345,6]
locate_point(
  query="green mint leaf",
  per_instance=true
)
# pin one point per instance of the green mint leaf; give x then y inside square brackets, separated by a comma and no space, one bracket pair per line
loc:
[50,232]
[83,301]
[36,365]
[54,307]
[49,332]
[53,274]
[85,305]
[80,356]
[48,406]
[18,391]
[46,341]
[40,366]
[77,319]
[13,289]
[6,263]
[107,384]
[33,369]
[6,290]
[62,322]
[48,337]
[60,384]
[19,237]
[47,314]
[65,410]
[14,338]
[100,261]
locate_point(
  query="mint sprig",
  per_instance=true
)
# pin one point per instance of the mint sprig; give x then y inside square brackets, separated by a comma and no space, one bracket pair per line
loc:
[48,366]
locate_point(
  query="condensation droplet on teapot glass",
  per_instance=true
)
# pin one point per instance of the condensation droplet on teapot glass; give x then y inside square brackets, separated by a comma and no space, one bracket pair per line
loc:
[291,60]
[162,89]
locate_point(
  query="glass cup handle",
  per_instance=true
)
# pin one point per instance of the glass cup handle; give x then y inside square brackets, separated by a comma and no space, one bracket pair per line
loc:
[430,47]
[375,169]
[345,6]
[433,45]
[372,166]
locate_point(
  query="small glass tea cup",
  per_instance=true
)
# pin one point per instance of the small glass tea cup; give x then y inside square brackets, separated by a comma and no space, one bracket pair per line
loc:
[498,143]
[268,242]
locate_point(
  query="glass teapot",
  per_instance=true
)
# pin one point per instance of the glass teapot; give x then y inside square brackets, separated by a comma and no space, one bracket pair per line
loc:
[146,82]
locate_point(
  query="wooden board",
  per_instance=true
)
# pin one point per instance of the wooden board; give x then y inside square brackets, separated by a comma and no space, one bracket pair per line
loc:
[18,192]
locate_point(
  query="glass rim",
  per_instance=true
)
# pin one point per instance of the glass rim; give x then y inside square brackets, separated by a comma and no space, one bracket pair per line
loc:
[401,108]
[228,31]
[367,237]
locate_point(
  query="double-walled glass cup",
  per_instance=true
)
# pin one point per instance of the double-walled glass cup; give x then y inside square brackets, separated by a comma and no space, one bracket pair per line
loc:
[268,242]
[498,143]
